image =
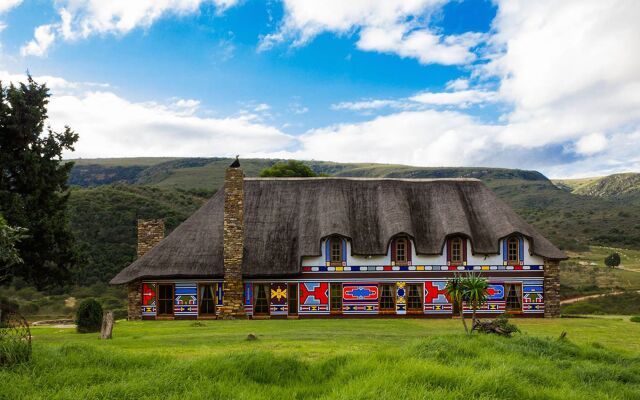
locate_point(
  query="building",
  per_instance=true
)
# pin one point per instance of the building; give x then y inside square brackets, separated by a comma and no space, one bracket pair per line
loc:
[338,247]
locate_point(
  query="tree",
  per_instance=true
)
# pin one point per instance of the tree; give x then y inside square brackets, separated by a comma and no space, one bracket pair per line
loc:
[612,260]
[9,256]
[475,288]
[33,183]
[455,290]
[290,169]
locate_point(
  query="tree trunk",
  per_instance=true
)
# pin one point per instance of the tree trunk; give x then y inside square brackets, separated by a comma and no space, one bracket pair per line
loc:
[107,325]
[464,322]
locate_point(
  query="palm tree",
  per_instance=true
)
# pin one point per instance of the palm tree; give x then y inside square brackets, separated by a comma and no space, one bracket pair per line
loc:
[476,293]
[456,290]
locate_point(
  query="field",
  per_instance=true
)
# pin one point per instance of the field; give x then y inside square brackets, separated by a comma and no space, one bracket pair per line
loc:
[332,359]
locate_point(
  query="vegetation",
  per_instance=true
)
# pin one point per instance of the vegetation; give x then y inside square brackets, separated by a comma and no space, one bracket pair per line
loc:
[33,184]
[336,359]
[470,289]
[635,318]
[89,316]
[9,256]
[289,169]
[625,187]
[612,260]
[619,304]
[456,291]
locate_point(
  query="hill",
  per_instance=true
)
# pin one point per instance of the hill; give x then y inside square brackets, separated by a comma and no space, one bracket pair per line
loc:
[624,187]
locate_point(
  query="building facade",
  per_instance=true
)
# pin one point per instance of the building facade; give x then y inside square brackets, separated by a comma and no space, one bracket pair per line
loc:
[331,247]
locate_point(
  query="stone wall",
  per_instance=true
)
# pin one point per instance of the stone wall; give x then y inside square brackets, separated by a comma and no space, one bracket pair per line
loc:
[232,304]
[150,233]
[551,288]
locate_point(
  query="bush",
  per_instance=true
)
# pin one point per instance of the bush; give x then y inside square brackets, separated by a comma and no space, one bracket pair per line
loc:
[14,352]
[612,260]
[120,313]
[635,319]
[89,316]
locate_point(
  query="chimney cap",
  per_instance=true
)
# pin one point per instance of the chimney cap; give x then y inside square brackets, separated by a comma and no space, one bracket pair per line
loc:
[236,163]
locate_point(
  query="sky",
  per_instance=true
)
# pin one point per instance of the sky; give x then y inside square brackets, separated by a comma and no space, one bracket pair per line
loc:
[547,85]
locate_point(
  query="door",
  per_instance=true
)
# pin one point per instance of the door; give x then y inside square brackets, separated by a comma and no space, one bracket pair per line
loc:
[207,300]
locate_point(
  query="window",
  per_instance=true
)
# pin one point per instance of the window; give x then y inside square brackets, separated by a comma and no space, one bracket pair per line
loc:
[293,299]
[414,297]
[336,298]
[387,298]
[207,305]
[260,299]
[165,299]
[513,256]
[401,250]
[456,251]
[514,297]
[335,249]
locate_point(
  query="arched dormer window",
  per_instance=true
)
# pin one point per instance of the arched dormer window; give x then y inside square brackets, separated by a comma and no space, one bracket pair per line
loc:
[513,251]
[457,251]
[401,251]
[336,251]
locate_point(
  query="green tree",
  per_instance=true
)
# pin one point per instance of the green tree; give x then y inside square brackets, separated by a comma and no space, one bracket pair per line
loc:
[475,288]
[9,256]
[290,169]
[33,183]
[612,260]
[456,291]
[89,316]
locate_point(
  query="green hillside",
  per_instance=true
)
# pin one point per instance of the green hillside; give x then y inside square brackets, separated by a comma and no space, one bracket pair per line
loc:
[624,187]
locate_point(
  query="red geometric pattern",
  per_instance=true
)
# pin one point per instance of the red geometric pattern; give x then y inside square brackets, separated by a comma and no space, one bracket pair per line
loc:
[435,292]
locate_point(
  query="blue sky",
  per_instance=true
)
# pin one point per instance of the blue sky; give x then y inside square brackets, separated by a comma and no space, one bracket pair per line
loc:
[422,82]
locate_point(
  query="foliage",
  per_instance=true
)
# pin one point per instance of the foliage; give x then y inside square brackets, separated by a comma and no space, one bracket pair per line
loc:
[9,256]
[635,318]
[503,322]
[475,289]
[290,169]
[455,290]
[333,359]
[617,304]
[13,352]
[612,260]
[33,183]
[89,316]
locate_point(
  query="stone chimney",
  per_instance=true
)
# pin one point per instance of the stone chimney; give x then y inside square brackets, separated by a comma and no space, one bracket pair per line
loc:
[551,288]
[150,233]
[233,242]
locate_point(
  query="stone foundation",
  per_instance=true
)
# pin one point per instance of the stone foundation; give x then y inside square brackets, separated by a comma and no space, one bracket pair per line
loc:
[233,243]
[551,289]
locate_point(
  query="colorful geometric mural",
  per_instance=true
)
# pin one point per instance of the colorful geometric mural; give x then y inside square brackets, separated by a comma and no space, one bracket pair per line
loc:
[149,299]
[360,298]
[533,297]
[410,268]
[248,298]
[186,299]
[314,298]
[495,292]
[401,298]
[278,298]
[219,295]
[435,298]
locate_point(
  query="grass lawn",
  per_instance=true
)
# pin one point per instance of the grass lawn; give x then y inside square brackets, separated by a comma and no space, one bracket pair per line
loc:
[332,359]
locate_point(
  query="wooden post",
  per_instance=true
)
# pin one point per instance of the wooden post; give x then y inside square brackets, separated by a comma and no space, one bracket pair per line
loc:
[107,325]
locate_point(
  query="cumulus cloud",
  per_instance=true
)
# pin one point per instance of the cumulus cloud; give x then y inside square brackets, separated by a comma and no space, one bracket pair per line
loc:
[80,19]
[6,5]
[388,26]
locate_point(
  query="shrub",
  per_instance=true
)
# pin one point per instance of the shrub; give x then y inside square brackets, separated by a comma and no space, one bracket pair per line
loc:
[635,318]
[14,352]
[89,316]
[612,260]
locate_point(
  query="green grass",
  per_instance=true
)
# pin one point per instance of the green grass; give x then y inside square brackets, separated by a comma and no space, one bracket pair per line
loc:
[622,304]
[332,359]
[629,259]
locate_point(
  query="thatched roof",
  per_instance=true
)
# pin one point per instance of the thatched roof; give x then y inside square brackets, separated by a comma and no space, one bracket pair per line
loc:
[286,219]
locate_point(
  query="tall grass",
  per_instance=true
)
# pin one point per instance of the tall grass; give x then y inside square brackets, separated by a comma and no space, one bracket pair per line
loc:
[14,352]
[285,366]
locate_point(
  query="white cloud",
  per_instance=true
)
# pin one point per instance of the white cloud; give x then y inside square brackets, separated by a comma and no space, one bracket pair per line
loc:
[43,37]
[458,84]
[389,26]
[261,107]
[591,144]
[6,5]
[80,19]
[461,98]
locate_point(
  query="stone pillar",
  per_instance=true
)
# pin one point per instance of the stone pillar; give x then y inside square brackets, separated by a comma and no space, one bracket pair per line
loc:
[150,233]
[551,288]
[134,311]
[233,242]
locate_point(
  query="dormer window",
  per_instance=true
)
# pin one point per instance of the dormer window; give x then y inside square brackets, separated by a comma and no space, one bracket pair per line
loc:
[513,250]
[401,251]
[336,250]
[457,251]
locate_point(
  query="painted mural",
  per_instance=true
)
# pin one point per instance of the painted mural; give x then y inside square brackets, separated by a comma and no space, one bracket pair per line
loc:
[248,298]
[314,298]
[186,299]
[360,298]
[401,298]
[279,299]
[435,298]
[149,298]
